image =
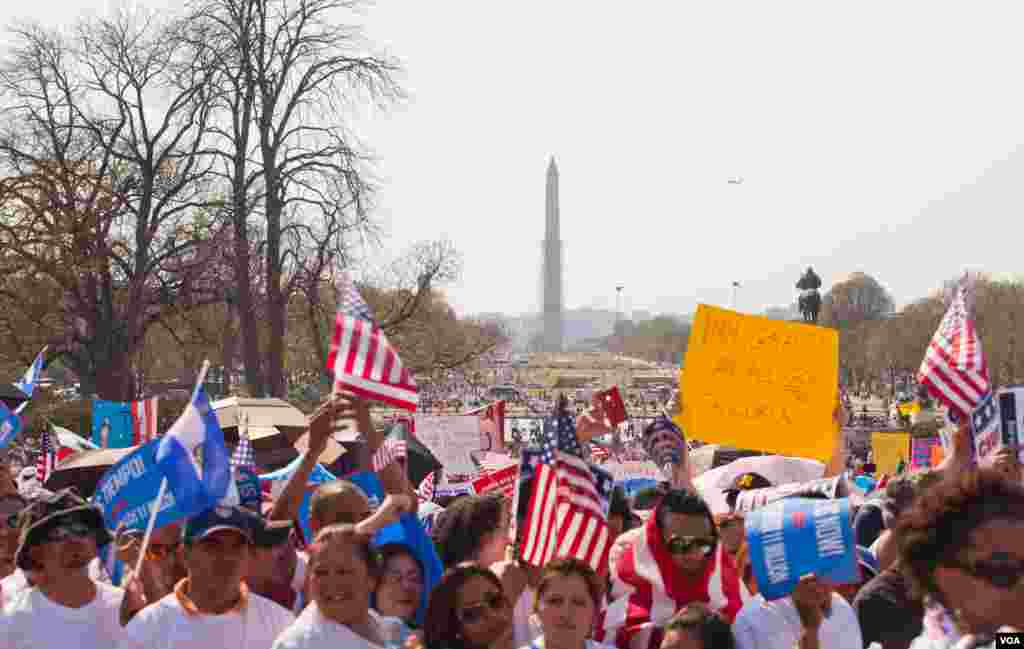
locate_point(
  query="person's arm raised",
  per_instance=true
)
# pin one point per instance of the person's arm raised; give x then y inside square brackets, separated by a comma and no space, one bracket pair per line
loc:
[321,427]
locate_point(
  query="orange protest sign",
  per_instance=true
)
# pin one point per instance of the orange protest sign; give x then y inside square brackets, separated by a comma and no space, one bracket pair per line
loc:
[760,384]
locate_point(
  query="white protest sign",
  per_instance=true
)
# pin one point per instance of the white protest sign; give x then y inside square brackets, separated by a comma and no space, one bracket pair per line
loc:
[452,439]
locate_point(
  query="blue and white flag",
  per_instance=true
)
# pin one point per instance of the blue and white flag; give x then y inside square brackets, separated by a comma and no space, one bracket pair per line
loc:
[127,492]
[10,425]
[794,537]
[193,458]
[28,383]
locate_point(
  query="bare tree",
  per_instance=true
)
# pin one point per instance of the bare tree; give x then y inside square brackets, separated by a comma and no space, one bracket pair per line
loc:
[101,145]
[293,74]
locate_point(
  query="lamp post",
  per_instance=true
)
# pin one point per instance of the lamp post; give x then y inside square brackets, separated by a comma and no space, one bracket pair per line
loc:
[735,288]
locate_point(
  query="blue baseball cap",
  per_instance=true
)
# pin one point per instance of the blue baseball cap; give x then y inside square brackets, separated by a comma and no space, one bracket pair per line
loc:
[220,518]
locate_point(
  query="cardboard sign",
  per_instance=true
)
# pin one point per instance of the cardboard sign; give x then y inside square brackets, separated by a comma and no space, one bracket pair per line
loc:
[888,450]
[452,439]
[751,499]
[503,480]
[762,384]
[795,537]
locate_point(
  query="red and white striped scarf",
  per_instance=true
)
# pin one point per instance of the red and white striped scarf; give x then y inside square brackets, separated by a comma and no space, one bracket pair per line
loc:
[648,590]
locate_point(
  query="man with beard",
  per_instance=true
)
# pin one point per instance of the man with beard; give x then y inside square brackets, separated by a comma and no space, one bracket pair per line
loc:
[212,607]
[65,607]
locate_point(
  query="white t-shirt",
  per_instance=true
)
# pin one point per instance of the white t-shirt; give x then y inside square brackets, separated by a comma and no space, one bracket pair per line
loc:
[312,630]
[31,621]
[776,625]
[165,625]
[11,585]
[524,628]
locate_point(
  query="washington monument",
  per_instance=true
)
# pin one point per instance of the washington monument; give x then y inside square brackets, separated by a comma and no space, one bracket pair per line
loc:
[551,277]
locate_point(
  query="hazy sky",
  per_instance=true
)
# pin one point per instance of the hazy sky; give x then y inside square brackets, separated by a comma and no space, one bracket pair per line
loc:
[875,136]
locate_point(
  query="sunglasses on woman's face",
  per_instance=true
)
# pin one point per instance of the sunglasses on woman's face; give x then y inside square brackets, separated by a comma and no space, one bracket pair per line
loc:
[684,544]
[493,600]
[1002,571]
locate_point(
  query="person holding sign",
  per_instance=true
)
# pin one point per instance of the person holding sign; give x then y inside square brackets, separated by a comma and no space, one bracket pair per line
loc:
[812,617]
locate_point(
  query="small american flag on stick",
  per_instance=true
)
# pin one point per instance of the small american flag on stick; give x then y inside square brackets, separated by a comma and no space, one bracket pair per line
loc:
[361,357]
[389,452]
[425,493]
[243,457]
[954,367]
[47,458]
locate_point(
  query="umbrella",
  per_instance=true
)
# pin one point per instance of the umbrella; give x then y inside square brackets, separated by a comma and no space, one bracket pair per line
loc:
[84,469]
[274,427]
[778,469]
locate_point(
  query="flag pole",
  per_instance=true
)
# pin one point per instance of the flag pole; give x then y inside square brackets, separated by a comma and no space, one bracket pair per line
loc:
[163,483]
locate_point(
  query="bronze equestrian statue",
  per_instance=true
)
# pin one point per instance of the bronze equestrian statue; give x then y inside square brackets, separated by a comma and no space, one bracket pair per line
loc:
[810,298]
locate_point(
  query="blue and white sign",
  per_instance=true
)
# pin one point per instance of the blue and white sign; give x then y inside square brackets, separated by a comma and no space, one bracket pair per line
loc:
[986,428]
[10,425]
[112,425]
[127,490]
[797,536]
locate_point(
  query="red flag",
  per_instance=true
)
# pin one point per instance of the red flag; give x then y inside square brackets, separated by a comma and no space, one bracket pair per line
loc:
[954,367]
[361,357]
[144,420]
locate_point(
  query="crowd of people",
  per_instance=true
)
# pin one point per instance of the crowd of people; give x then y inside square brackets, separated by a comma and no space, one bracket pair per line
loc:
[941,556]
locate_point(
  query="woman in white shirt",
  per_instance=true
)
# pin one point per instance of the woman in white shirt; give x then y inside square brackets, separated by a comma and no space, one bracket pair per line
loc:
[568,599]
[343,572]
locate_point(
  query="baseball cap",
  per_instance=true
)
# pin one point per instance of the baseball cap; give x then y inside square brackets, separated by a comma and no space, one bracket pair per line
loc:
[220,518]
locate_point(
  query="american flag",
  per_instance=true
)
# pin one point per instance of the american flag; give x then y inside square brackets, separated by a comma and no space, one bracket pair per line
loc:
[47,457]
[361,357]
[144,420]
[954,366]
[568,508]
[491,462]
[389,452]
[243,457]
[425,492]
[599,452]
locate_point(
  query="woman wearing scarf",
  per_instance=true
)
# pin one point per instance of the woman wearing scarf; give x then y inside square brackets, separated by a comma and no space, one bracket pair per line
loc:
[675,560]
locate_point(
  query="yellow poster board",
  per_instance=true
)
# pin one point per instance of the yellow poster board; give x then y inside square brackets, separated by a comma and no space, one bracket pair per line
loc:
[887,449]
[760,384]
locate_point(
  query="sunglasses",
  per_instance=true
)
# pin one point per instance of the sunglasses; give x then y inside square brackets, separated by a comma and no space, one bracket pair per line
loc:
[160,552]
[684,544]
[1005,574]
[493,600]
[65,532]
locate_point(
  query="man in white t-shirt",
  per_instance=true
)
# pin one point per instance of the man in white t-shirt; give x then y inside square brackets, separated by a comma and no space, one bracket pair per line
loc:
[212,607]
[64,606]
[813,617]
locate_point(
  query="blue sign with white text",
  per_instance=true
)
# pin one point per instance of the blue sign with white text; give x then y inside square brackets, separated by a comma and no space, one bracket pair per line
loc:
[799,536]
[10,426]
[112,425]
[127,490]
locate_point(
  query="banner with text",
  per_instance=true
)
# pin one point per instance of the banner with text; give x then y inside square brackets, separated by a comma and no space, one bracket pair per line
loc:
[760,384]
[452,439]
[503,480]
[888,450]
[127,490]
[112,424]
[921,451]
[795,537]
